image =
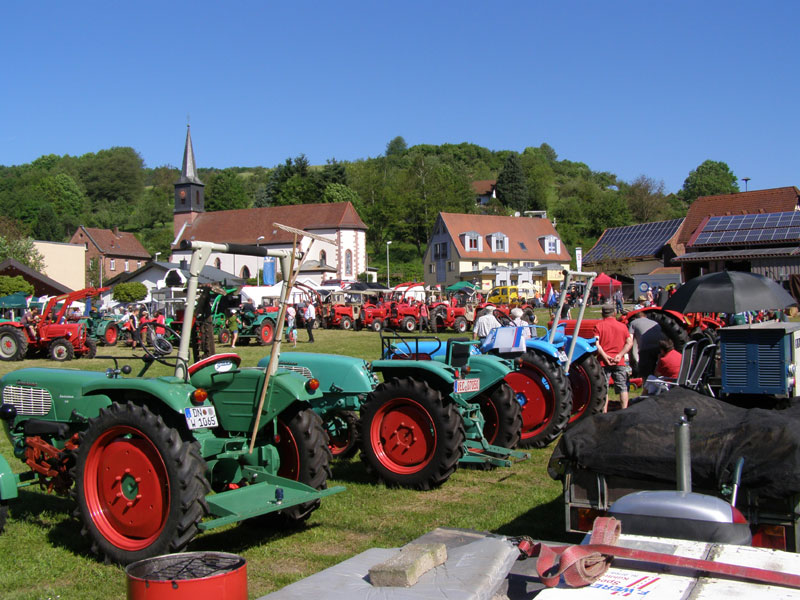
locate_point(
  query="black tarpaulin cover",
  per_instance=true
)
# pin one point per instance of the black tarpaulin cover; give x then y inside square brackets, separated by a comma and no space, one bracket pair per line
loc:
[639,443]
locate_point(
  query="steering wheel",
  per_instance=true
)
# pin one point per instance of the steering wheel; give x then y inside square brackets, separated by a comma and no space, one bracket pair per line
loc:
[158,346]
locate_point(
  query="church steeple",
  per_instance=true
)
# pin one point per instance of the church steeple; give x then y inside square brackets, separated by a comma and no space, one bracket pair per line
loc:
[189,169]
[189,190]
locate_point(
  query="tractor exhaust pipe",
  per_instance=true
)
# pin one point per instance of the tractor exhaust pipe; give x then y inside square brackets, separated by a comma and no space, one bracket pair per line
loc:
[683,450]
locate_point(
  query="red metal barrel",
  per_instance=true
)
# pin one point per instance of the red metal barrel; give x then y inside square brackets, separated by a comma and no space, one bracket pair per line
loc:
[188,576]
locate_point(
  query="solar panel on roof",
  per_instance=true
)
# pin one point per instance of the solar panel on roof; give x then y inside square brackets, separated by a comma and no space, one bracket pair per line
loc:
[646,239]
[749,229]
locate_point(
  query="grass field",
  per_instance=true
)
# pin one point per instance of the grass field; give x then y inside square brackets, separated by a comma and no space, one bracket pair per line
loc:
[45,556]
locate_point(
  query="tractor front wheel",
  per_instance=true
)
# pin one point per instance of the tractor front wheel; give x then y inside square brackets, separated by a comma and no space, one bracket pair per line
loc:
[346,323]
[61,350]
[91,349]
[542,390]
[224,336]
[409,436]
[460,325]
[343,433]
[303,449]
[409,324]
[589,387]
[266,333]
[140,488]
[376,325]
[111,335]
[13,343]
[502,416]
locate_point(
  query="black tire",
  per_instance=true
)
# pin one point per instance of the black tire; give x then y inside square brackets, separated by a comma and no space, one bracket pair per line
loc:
[346,323]
[542,390]
[460,324]
[409,324]
[13,343]
[439,319]
[60,350]
[502,415]
[376,325]
[224,336]
[342,428]
[128,441]
[266,333]
[432,433]
[3,514]
[589,388]
[91,349]
[305,457]
[670,327]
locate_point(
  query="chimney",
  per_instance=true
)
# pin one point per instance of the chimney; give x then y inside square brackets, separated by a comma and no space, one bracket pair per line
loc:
[116,231]
[184,264]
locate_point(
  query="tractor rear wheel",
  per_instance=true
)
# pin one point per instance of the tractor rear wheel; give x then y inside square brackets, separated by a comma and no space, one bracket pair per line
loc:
[409,436]
[409,324]
[61,350]
[303,449]
[589,387]
[111,335]
[140,488]
[13,343]
[91,349]
[502,415]
[670,327]
[342,429]
[438,319]
[224,336]
[542,390]
[346,323]
[266,333]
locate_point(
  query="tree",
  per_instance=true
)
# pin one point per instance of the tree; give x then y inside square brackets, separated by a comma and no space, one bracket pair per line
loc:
[512,188]
[22,250]
[12,285]
[48,226]
[646,199]
[338,192]
[132,291]
[396,147]
[225,191]
[709,179]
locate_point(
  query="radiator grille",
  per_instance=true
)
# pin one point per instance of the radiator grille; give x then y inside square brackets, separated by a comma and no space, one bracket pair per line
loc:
[304,371]
[28,400]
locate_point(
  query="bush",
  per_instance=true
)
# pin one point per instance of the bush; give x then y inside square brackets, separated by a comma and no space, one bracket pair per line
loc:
[133,291]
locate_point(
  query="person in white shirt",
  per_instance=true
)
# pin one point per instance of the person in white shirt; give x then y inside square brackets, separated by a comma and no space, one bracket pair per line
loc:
[485,323]
[518,321]
[310,315]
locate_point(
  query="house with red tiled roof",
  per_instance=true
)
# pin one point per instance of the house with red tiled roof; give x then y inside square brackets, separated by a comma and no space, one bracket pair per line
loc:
[747,231]
[485,190]
[111,250]
[345,257]
[493,250]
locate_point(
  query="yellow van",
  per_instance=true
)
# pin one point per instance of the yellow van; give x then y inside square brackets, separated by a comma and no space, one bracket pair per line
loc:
[503,295]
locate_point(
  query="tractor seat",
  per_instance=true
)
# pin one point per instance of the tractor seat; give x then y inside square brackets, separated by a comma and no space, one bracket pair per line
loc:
[201,373]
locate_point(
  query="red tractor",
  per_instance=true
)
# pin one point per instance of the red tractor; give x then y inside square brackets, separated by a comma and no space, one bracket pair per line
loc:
[53,334]
[457,313]
[403,310]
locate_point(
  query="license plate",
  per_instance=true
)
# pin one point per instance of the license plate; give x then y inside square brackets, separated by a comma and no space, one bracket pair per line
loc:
[562,356]
[200,417]
[465,386]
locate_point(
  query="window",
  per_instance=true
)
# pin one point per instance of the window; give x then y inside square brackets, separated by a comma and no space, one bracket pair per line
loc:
[127,268]
[552,245]
[472,243]
[450,265]
[474,265]
[498,242]
[138,264]
[323,258]
[440,250]
[217,263]
[431,268]
[348,263]
[511,265]
[112,265]
[245,272]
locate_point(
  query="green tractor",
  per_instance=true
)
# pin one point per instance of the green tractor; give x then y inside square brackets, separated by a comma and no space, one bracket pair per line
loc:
[428,416]
[152,461]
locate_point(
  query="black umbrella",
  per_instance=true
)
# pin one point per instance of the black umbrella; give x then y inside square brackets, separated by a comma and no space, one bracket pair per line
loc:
[729,292]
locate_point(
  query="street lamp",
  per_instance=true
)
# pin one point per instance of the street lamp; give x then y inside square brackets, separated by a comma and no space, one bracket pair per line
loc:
[387,263]
[155,258]
[259,272]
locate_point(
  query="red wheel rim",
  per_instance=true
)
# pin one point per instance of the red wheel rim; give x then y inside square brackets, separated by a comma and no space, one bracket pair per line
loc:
[581,391]
[288,452]
[9,345]
[338,436]
[60,352]
[538,402]
[111,335]
[126,488]
[267,333]
[402,436]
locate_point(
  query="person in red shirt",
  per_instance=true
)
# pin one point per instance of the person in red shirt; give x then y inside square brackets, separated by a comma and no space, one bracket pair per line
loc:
[613,342]
[669,360]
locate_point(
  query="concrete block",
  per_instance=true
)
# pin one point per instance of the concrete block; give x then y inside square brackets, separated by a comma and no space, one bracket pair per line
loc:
[408,565]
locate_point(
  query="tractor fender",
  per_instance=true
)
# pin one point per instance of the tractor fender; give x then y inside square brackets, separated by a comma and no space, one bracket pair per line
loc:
[438,375]
[8,481]
[542,347]
[582,346]
[490,369]
[173,392]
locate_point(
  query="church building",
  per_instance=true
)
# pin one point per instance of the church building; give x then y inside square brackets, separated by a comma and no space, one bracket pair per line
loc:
[345,257]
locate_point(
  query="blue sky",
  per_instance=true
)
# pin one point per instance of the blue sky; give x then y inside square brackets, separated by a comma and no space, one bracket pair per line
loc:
[635,88]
